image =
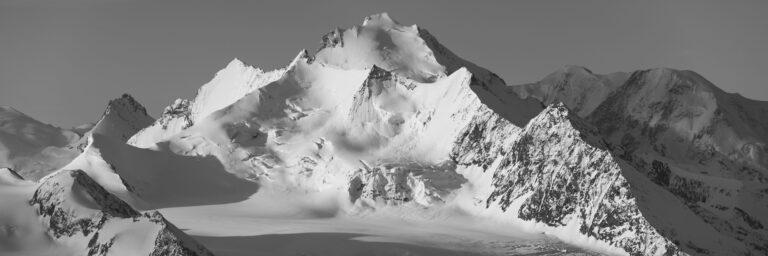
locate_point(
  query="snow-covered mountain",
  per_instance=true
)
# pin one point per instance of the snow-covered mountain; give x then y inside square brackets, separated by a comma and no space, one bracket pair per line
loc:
[557,171]
[578,87]
[36,149]
[385,122]
[702,144]
[31,147]
[123,118]
[68,213]
[78,212]
[229,85]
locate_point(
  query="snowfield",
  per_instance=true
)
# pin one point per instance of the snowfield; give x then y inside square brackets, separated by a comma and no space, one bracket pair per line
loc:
[384,142]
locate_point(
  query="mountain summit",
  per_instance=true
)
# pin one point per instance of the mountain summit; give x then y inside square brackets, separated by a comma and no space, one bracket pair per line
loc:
[123,117]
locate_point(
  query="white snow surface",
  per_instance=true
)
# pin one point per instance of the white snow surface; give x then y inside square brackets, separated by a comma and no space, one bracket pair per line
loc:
[31,147]
[229,85]
[21,232]
[123,117]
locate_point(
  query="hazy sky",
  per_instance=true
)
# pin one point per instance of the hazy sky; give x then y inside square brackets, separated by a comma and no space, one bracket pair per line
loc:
[61,63]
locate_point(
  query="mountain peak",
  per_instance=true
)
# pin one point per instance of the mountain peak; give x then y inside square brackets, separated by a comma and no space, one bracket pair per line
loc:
[558,109]
[123,117]
[559,115]
[579,88]
[381,19]
[672,77]
[570,73]
[664,70]
[303,55]
[690,114]
[557,112]
[575,69]
[237,66]
[236,63]
[126,102]
[383,42]
[557,169]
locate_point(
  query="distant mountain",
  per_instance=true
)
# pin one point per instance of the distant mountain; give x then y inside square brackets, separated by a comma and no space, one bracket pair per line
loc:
[702,144]
[31,147]
[577,87]
[36,149]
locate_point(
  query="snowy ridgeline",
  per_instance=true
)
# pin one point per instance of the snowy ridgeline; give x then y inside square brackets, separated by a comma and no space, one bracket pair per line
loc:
[383,121]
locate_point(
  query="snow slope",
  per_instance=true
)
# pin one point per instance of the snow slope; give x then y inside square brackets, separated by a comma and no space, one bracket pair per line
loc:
[229,85]
[31,147]
[11,177]
[122,118]
[160,178]
[21,232]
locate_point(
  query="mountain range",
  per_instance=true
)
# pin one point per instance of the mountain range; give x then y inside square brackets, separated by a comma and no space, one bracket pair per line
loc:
[383,122]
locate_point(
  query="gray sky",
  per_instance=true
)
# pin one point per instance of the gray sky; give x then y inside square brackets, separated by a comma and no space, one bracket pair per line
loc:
[61,63]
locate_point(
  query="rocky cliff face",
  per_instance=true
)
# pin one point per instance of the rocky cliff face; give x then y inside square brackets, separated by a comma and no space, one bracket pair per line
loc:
[395,184]
[557,171]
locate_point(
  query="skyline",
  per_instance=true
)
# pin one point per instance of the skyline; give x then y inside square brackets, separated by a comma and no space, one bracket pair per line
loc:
[62,63]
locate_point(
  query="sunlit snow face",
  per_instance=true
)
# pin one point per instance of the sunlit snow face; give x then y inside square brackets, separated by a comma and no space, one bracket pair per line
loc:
[383,42]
